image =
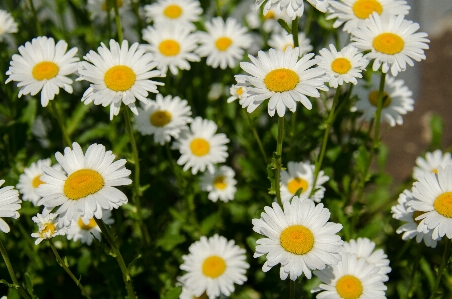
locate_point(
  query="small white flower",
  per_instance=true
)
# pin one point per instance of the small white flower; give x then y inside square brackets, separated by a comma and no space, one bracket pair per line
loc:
[9,204]
[98,8]
[7,24]
[237,92]
[268,22]
[282,41]
[293,8]
[86,231]
[431,163]
[174,12]
[220,184]
[47,227]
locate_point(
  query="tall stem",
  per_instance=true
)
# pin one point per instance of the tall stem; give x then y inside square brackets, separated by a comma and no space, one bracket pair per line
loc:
[118,21]
[35,16]
[278,162]
[10,268]
[117,254]
[295,32]
[68,271]
[292,289]
[57,114]
[442,266]
[256,136]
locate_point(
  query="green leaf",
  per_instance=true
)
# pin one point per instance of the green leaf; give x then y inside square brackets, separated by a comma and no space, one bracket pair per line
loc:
[285,26]
[28,284]
[174,293]
[77,116]
[209,223]
[436,127]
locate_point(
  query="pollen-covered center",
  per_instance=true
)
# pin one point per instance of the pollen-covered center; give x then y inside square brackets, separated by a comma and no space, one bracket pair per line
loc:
[223,43]
[281,80]
[200,147]
[364,8]
[172,11]
[341,65]
[48,230]
[297,239]
[120,78]
[417,214]
[443,204]
[297,183]
[45,70]
[388,43]
[220,182]
[373,99]
[91,224]
[213,266]
[82,183]
[37,181]
[349,287]
[169,47]
[160,118]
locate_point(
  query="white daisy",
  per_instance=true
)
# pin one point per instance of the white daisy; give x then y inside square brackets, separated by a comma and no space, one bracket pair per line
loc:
[404,212]
[351,278]
[354,12]
[268,21]
[86,231]
[398,100]
[213,266]
[201,148]
[98,8]
[47,227]
[172,47]
[9,204]
[172,12]
[392,41]
[299,238]
[224,42]
[43,66]
[434,194]
[220,184]
[164,118]
[363,248]
[293,8]
[301,175]
[7,24]
[281,41]
[119,74]
[187,293]
[87,187]
[343,66]
[282,78]
[431,163]
[237,92]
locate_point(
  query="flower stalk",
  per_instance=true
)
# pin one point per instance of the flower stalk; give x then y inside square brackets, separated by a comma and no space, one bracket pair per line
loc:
[12,274]
[277,159]
[442,266]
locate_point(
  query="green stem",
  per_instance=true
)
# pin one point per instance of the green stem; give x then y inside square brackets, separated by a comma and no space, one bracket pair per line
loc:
[217,2]
[135,8]
[295,33]
[442,266]
[307,26]
[278,158]
[413,272]
[117,254]
[57,114]
[9,266]
[35,16]
[118,21]
[329,123]
[68,271]
[256,136]
[292,289]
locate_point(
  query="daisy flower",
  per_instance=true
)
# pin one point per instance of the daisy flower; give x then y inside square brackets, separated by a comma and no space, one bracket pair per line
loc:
[47,227]
[268,22]
[282,78]
[172,12]
[298,237]
[119,74]
[9,204]
[98,8]
[398,101]
[213,266]
[354,12]
[363,248]
[43,66]
[350,278]
[220,184]
[301,175]
[434,198]
[201,148]
[172,47]
[86,231]
[293,8]
[282,41]
[88,185]
[224,42]
[7,24]
[392,41]
[164,118]
[343,66]
[403,212]
[431,163]
[237,92]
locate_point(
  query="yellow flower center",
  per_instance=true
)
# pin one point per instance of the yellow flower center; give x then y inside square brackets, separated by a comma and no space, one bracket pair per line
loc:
[92,224]
[364,8]
[349,287]
[48,227]
[45,70]
[199,147]
[240,91]
[82,183]
[160,118]
[297,239]
[388,43]
[443,204]
[223,43]
[169,47]
[37,181]
[119,78]
[173,11]
[269,15]
[417,214]
[297,183]
[341,65]
[373,99]
[213,266]
[435,170]
[281,80]
[287,46]
[104,5]
[220,182]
